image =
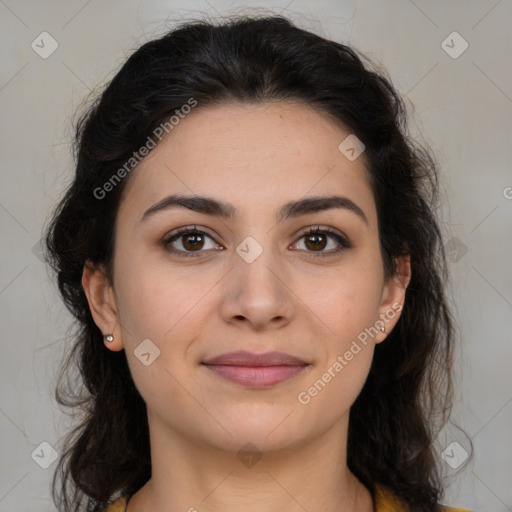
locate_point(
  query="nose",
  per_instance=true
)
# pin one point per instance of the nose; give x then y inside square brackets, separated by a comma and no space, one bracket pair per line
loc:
[258,294]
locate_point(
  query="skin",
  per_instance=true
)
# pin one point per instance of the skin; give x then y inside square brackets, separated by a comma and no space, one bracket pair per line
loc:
[257,157]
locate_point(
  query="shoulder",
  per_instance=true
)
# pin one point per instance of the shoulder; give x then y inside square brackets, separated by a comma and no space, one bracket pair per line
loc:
[118,506]
[387,501]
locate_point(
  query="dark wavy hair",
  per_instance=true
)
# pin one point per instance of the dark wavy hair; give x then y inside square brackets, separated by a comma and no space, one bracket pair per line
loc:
[407,397]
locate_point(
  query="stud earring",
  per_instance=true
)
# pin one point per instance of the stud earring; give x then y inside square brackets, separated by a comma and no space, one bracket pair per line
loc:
[383,329]
[108,338]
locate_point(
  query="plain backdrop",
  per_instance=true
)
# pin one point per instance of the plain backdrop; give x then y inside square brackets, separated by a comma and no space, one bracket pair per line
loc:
[462,98]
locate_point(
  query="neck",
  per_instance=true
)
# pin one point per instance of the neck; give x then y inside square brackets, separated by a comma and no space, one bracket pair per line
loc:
[188,476]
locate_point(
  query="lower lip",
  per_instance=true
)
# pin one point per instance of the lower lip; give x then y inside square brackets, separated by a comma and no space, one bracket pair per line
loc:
[256,376]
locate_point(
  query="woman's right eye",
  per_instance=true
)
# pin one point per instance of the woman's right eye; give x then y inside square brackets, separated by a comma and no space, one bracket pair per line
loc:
[191,240]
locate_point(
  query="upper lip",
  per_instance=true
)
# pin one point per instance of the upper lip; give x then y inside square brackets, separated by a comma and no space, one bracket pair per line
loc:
[244,358]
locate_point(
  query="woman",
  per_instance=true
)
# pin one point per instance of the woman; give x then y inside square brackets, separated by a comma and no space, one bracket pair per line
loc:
[250,249]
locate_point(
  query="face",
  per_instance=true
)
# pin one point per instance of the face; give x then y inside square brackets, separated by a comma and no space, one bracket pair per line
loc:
[254,280]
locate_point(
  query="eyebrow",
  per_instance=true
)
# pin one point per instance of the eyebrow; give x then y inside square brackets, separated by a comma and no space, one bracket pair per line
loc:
[210,206]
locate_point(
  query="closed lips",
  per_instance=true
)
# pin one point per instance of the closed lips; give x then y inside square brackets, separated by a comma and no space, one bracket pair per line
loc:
[243,358]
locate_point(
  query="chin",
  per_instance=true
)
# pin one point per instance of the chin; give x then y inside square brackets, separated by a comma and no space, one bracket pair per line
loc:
[254,441]
[266,429]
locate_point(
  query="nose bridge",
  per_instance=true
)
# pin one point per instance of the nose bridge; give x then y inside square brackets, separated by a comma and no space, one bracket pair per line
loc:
[258,262]
[257,284]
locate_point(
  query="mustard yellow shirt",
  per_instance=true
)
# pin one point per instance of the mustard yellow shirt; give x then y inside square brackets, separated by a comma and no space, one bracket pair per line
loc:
[385,501]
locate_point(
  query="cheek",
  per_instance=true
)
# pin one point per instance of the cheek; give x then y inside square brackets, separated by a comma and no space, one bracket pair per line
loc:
[346,354]
[159,302]
[158,305]
[346,301]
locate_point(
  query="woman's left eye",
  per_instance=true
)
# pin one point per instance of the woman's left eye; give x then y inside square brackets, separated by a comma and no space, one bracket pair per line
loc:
[316,238]
[193,241]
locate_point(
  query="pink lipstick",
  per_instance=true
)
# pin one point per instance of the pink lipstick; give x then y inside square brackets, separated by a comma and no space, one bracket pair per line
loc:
[256,370]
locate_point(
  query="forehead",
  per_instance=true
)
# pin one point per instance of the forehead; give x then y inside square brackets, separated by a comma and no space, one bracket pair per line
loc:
[255,156]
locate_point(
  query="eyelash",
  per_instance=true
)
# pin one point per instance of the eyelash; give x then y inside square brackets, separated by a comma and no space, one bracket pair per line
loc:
[342,241]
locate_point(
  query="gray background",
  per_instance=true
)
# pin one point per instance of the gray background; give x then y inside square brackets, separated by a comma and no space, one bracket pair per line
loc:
[462,108]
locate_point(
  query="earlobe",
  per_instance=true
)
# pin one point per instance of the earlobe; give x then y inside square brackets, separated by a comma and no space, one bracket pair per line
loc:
[99,293]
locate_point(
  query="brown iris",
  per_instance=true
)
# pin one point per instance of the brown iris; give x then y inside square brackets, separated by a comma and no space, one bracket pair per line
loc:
[197,241]
[316,244]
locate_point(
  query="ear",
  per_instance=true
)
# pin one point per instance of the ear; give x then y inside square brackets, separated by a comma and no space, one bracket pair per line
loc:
[100,295]
[393,297]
